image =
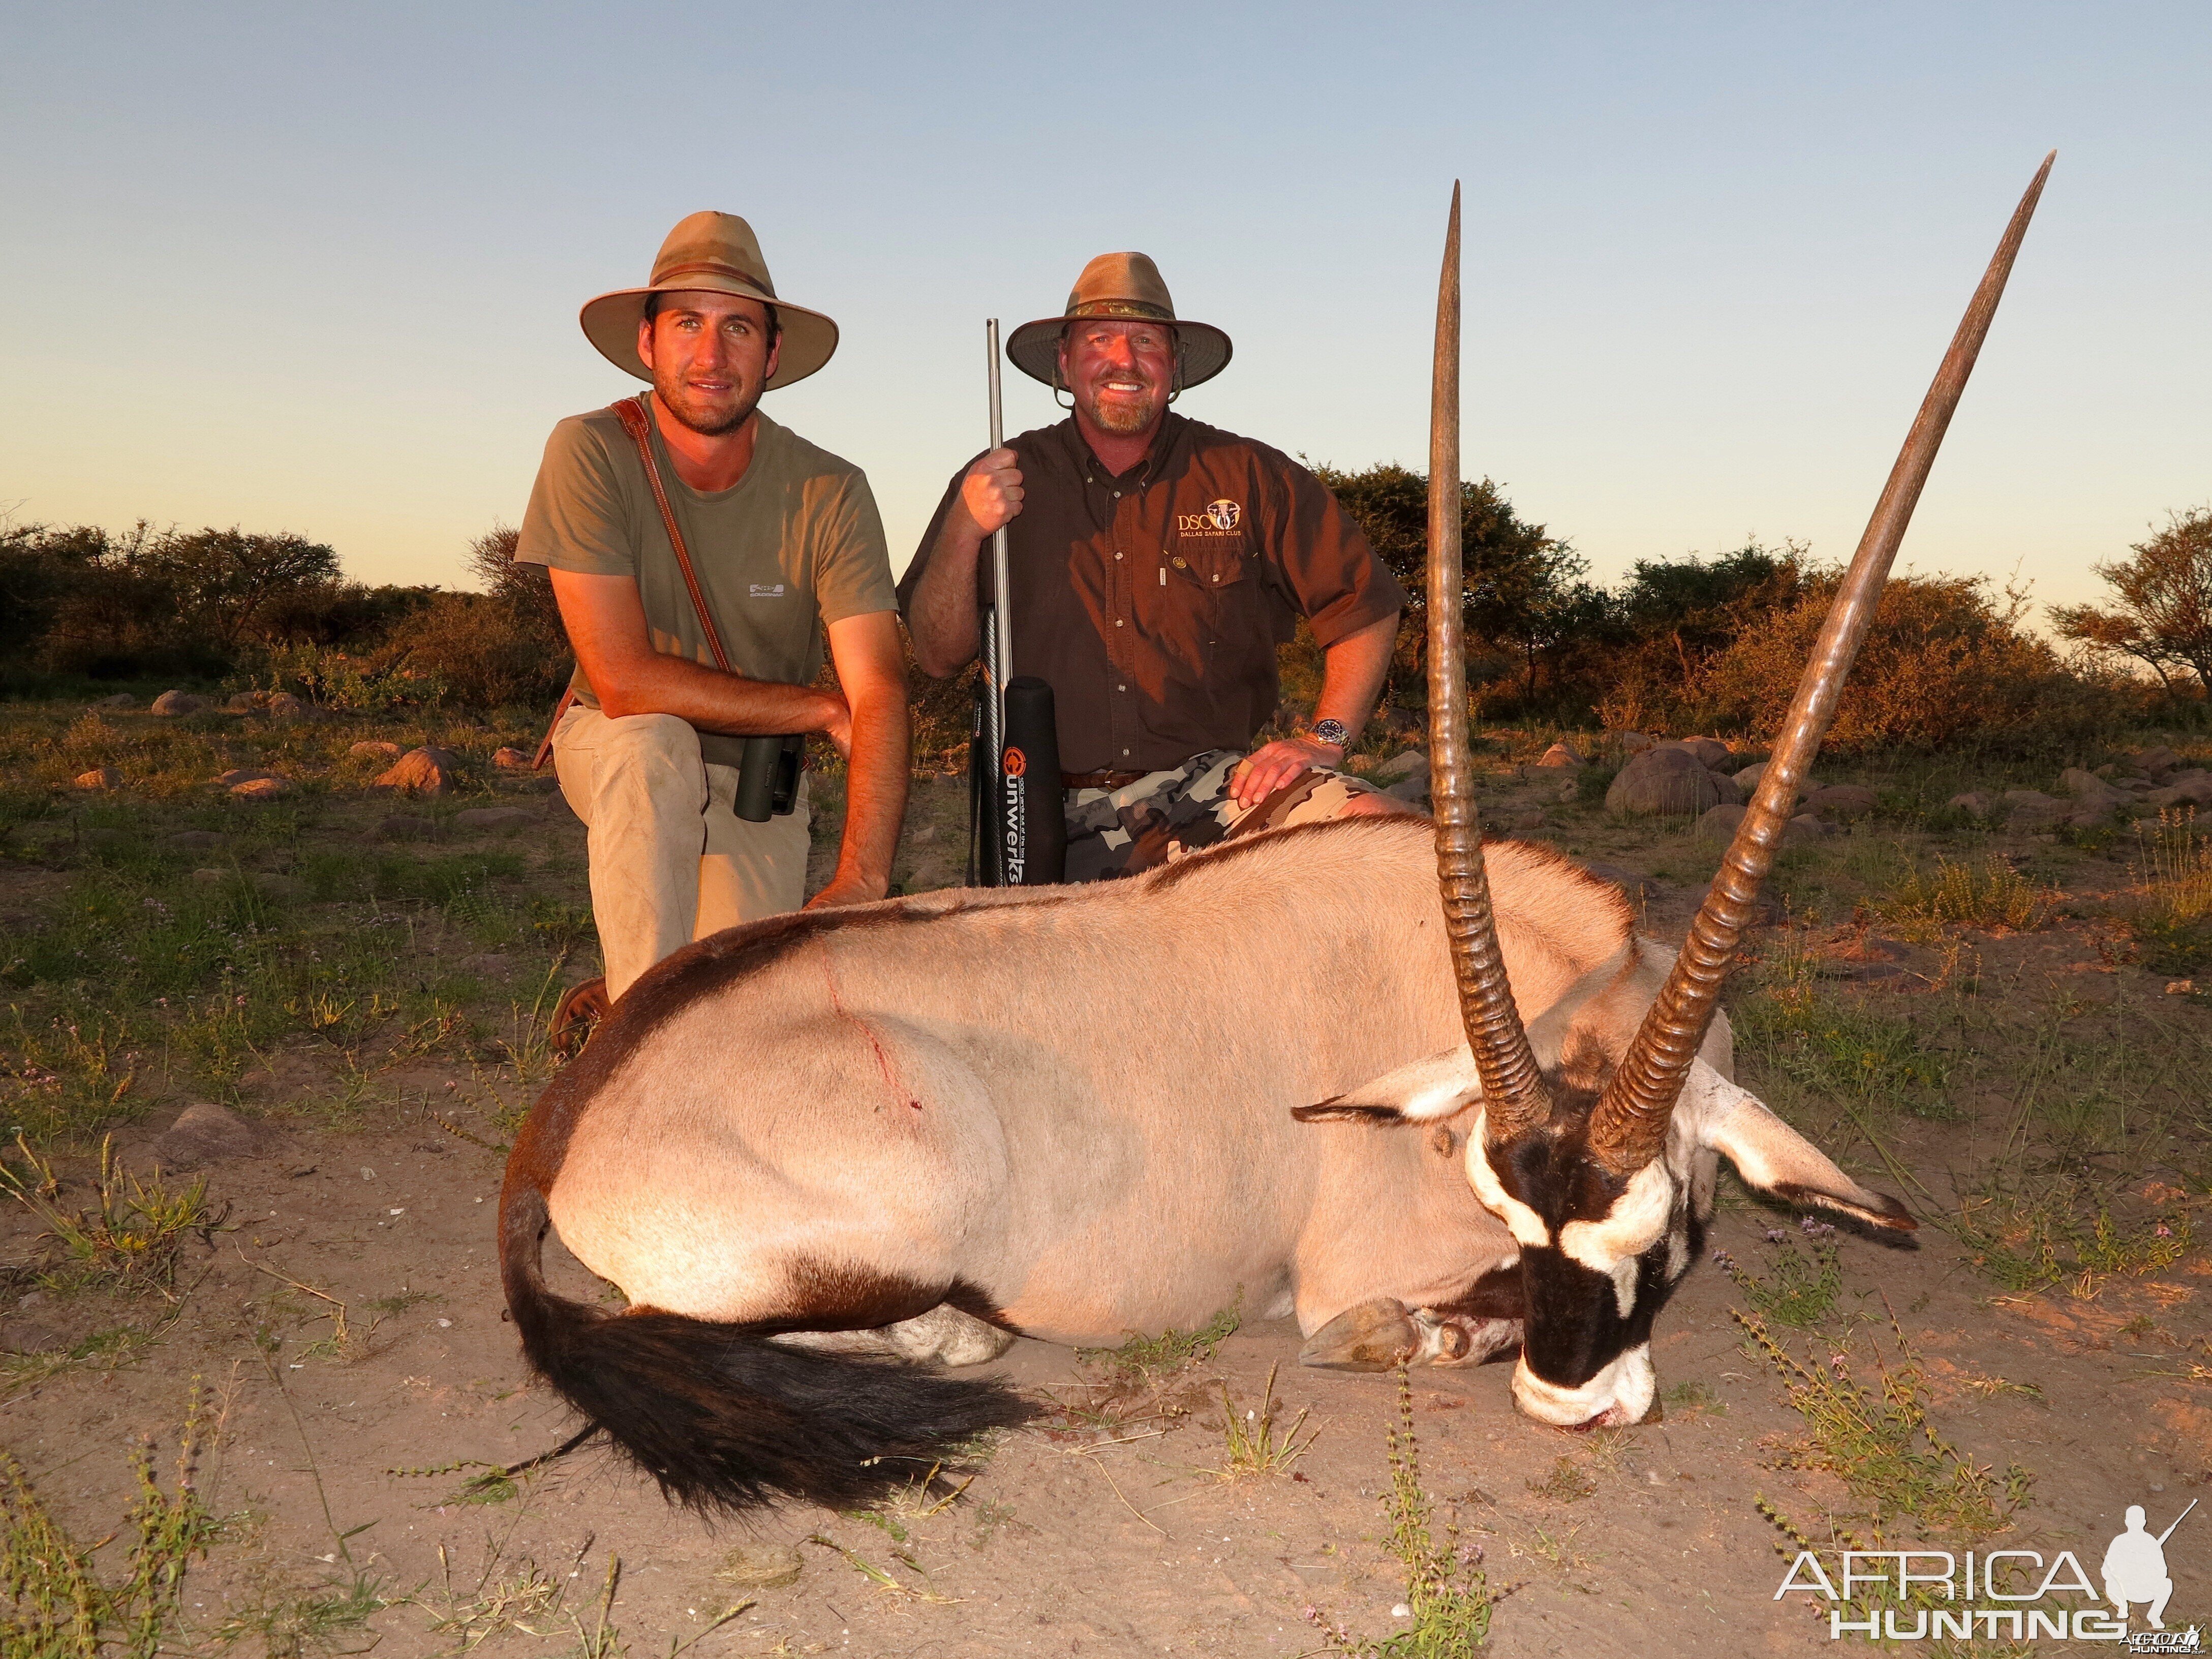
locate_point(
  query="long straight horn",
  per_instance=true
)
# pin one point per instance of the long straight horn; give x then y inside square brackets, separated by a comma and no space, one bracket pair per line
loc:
[1512,1089]
[1629,1126]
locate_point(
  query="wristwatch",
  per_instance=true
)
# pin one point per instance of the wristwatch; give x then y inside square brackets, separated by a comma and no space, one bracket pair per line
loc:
[1333,733]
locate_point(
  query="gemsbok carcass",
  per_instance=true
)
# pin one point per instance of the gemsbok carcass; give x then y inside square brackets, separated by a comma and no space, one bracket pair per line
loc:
[819,1152]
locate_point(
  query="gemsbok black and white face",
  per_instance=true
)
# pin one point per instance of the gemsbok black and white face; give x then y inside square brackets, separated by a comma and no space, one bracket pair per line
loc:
[1598,1129]
[1600,1253]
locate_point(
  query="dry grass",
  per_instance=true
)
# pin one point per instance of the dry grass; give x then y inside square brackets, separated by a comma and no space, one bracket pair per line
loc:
[2172,918]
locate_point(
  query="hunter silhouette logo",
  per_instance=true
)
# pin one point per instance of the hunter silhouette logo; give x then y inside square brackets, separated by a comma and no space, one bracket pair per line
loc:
[2134,1567]
[1934,1594]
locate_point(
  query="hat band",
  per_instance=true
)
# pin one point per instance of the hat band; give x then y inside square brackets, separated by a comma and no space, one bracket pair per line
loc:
[711,268]
[1123,309]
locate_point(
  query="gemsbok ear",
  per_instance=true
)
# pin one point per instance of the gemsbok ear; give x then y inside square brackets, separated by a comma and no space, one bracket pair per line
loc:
[1427,1090]
[1776,1159]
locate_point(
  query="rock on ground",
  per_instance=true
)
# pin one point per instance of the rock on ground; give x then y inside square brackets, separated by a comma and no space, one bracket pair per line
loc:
[1719,824]
[120,699]
[510,760]
[1712,754]
[206,1133]
[179,702]
[1635,742]
[1413,789]
[1559,754]
[374,748]
[424,771]
[404,826]
[1669,778]
[101,777]
[494,818]
[1843,801]
[260,789]
[1747,780]
[1974,803]
[1399,765]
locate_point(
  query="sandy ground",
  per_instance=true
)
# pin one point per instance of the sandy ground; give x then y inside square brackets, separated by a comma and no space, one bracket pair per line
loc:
[1072,1540]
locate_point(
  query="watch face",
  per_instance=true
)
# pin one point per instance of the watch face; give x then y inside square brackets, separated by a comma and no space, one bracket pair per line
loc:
[1331,732]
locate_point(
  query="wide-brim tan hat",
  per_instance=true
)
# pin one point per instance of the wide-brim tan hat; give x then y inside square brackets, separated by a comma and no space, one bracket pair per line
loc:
[1124,285]
[719,253]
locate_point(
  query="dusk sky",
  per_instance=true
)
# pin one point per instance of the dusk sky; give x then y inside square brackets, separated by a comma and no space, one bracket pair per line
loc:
[317,268]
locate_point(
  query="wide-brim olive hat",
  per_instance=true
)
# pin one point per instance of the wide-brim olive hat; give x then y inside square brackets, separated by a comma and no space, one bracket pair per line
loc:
[719,253]
[1121,285]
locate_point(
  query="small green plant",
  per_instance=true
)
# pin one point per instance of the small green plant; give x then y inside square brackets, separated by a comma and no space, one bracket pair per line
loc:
[1838,1052]
[60,1606]
[1694,1399]
[1799,1286]
[1253,1446]
[1446,1595]
[2025,1242]
[291,1621]
[1143,1356]
[129,1240]
[1961,895]
[1879,1441]
[1569,1482]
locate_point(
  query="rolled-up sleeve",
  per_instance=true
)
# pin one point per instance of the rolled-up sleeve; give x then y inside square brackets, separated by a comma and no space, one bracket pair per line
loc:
[1324,563]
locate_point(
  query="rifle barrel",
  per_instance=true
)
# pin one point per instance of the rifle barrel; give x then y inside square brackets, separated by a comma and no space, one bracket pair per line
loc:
[2177,1520]
[1002,611]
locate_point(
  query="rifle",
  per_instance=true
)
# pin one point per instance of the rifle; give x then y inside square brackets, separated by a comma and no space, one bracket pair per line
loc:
[1017,830]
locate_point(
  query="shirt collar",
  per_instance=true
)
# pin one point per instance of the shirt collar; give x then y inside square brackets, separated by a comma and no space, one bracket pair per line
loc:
[1095,470]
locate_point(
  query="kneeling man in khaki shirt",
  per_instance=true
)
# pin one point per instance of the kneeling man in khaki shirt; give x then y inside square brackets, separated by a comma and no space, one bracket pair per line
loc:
[784,538]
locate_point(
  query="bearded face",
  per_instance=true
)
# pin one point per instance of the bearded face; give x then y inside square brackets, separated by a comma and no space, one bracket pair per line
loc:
[711,355]
[1119,372]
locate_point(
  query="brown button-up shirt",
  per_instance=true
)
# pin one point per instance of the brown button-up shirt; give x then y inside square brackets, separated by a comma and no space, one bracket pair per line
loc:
[1152,603]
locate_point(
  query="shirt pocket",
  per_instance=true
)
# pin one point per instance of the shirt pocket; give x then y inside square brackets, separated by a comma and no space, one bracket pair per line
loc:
[1209,600]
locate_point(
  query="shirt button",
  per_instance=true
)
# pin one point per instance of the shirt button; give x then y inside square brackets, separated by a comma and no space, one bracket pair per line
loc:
[1117,621]
[1117,555]
[1125,754]
[1117,496]
[1121,687]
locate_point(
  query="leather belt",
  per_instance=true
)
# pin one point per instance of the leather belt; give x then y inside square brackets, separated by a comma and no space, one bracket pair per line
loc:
[1099,780]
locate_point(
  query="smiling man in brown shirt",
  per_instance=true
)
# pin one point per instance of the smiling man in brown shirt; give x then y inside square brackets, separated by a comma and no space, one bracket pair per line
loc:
[1156,564]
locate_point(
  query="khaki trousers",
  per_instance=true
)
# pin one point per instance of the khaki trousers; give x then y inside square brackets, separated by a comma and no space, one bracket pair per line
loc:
[670,861]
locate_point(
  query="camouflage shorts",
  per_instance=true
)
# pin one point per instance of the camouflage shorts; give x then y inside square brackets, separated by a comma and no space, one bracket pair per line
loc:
[1164,815]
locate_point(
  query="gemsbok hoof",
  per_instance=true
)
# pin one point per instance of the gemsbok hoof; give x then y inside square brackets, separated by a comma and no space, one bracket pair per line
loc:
[1372,1336]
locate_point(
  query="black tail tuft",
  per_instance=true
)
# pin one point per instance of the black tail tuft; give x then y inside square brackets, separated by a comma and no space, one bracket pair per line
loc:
[725,1420]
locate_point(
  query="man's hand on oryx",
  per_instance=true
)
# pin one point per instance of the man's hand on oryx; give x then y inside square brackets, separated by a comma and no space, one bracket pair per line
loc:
[844,889]
[990,494]
[1265,770]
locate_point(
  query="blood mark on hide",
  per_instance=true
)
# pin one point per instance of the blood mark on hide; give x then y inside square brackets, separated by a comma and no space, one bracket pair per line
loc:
[891,1079]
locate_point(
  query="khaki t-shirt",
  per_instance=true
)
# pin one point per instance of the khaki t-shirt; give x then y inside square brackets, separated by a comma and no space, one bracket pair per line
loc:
[796,543]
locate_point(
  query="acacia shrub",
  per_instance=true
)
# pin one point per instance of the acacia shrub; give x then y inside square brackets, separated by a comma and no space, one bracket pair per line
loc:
[1947,663]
